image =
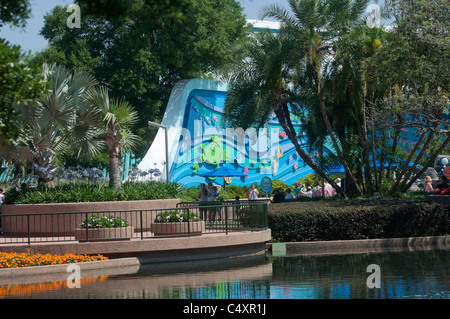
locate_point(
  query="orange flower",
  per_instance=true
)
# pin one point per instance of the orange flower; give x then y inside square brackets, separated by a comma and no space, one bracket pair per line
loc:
[15,260]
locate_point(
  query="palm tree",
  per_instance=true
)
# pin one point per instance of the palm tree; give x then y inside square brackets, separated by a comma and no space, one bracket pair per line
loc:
[61,121]
[117,117]
[316,25]
[262,86]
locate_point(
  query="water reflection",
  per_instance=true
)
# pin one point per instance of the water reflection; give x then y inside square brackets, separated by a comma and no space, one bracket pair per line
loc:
[407,274]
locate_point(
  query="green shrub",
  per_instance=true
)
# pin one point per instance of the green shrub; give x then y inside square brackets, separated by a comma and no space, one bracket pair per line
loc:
[347,220]
[100,192]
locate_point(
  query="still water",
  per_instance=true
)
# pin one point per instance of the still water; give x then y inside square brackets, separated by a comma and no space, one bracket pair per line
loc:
[423,274]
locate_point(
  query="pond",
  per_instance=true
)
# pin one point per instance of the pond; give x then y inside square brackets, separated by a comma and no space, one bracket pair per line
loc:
[419,274]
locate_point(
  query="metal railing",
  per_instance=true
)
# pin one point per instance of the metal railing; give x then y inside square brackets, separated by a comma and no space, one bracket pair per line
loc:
[141,224]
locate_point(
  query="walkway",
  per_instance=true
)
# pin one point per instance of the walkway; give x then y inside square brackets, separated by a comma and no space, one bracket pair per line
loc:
[156,249]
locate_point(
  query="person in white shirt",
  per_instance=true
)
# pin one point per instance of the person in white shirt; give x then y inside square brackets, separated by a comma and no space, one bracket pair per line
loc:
[252,193]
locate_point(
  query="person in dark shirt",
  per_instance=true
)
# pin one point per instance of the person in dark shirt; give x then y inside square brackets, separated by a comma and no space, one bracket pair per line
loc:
[278,197]
[444,182]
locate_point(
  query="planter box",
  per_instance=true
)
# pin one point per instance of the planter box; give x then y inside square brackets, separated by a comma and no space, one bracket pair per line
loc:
[104,234]
[180,228]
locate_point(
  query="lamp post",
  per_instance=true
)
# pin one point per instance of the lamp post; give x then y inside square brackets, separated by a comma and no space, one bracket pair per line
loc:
[166,146]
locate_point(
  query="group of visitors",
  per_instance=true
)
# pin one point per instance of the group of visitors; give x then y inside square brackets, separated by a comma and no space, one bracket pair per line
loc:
[209,195]
[305,190]
[439,186]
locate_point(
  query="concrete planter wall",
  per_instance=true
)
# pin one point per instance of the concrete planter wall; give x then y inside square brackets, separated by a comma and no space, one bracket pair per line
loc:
[102,234]
[180,228]
[43,219]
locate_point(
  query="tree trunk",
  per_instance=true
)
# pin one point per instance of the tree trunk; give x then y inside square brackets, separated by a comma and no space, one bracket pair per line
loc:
[115,178]
[113,142]
[416,161]
[393,151]
[287,126]
[405,167]
[348,173]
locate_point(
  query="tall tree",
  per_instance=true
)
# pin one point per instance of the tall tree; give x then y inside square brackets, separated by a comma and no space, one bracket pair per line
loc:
[142,55]
[261,86]
[413,68]
[116,117]
[19,80]
[316,24]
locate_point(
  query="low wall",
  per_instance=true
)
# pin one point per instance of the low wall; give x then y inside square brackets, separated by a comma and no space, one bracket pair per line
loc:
[44,221]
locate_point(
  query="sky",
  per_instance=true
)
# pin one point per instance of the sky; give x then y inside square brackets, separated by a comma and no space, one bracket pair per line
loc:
[30,40]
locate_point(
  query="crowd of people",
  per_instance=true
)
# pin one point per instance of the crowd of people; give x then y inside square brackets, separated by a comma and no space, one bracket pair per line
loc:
[305,190]
[210,194]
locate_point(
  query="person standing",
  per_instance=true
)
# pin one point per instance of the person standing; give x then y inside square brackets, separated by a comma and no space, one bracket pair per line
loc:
[212,196]
[252,193]
[203,197]
[298,189]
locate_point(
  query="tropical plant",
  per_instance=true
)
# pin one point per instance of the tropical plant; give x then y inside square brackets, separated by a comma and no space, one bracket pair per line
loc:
[317,26]
[61,121]
[413,68]
[117,117]
[262,85]
[141,51]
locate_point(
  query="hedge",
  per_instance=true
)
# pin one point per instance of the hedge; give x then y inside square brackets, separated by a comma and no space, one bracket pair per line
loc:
[347,220]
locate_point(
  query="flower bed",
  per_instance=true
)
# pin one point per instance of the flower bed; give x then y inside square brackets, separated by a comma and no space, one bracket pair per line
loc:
[103,222]
[177,223]
[28,259]
[103,228]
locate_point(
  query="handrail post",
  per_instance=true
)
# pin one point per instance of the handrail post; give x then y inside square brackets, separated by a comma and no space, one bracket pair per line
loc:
[266,216]
[189,223]
[142,225]
[226,218]
[87,228]
[251,217]
[28,229]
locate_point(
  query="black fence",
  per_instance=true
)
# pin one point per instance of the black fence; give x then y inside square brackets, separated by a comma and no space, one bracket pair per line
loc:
[187,219]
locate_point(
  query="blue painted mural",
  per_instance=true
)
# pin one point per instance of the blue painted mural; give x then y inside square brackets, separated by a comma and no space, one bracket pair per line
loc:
[202,142]
[199,141]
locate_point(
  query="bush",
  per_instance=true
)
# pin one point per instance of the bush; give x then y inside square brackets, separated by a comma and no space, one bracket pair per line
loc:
[347,220]
[100,192]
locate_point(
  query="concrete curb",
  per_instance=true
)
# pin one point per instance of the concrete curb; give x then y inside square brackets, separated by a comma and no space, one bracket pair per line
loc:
[62,268]
[357,246]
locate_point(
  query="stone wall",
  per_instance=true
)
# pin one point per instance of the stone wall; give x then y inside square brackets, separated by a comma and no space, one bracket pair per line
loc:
[44,219]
